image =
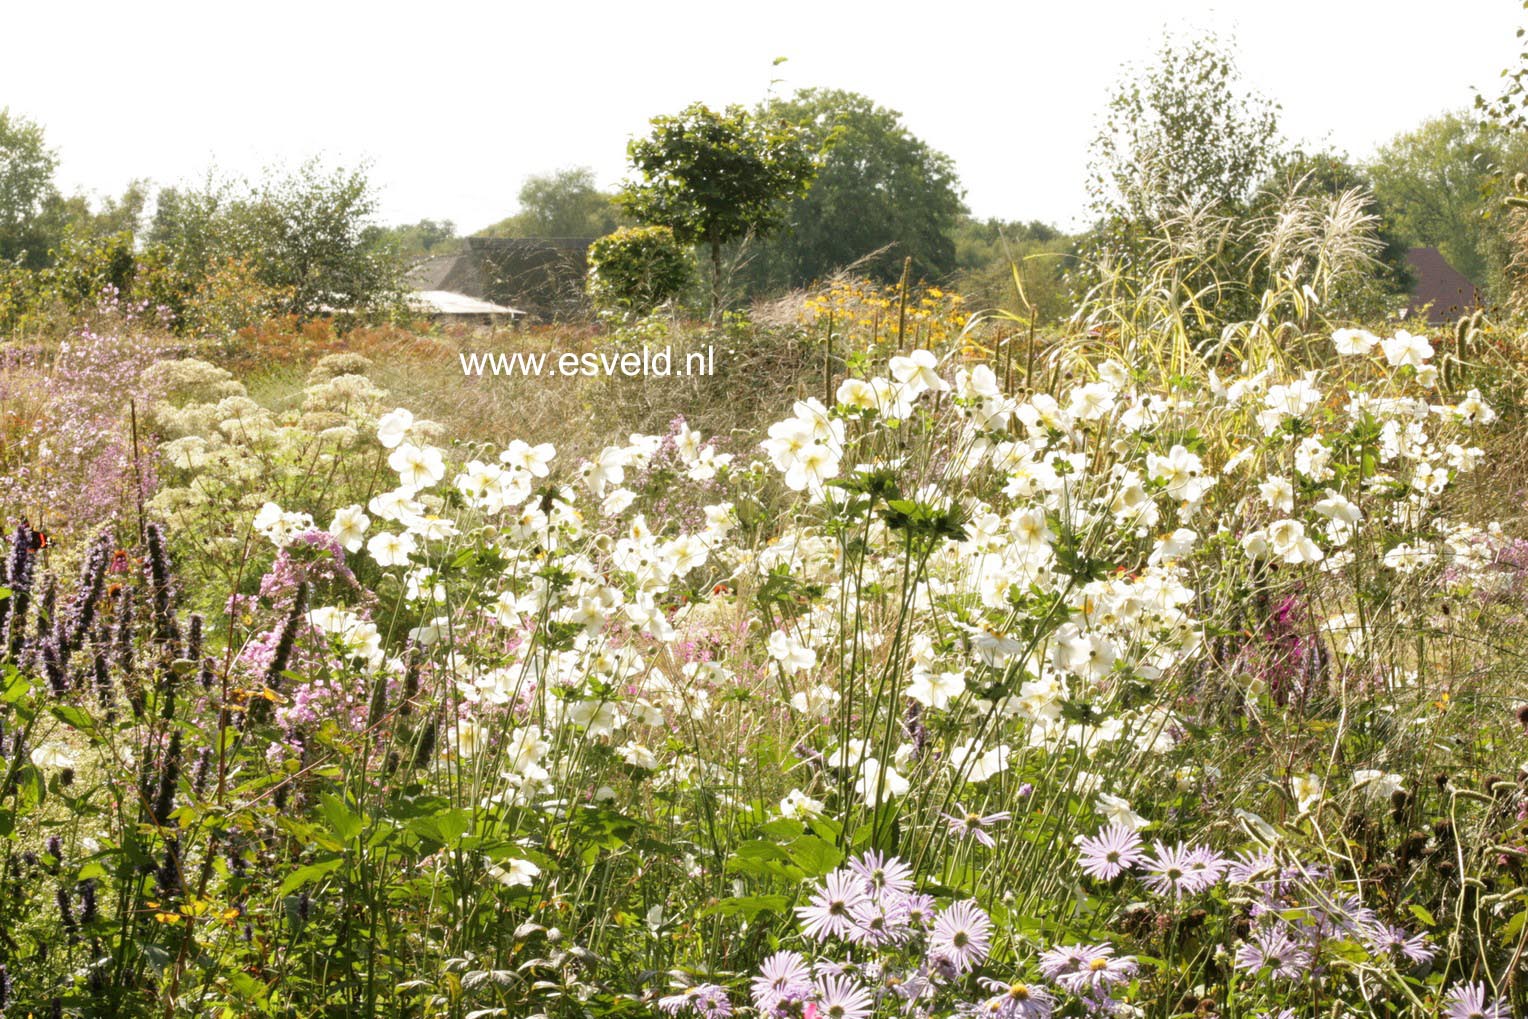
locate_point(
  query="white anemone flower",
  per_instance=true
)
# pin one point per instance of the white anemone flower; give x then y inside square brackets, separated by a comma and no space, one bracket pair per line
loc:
[416,467]
[349,527]
[513,873]
[918,371]
[394,427]
[390,549]
[1404,349]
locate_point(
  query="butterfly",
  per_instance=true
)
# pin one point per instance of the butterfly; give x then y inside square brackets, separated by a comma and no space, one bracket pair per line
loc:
[38,539]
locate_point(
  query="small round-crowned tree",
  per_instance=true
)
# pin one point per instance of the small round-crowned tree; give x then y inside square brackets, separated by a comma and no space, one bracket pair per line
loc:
[636,269]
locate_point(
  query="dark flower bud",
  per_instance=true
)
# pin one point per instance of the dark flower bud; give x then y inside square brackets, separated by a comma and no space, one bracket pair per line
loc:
[169,778]
[65,910]
[166,629]
[89,910]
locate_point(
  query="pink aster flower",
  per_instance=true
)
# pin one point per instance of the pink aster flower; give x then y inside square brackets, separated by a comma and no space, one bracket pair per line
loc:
[968,822]
[1111,852]
[706,1000]
[961,935]
[1468,1001]
[782,976]
[842,997]
[831,909]
[1080,968]
[883,873]
[1013,1000]
[1179,871]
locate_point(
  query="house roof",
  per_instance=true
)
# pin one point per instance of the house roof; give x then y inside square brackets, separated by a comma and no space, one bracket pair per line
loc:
[445,302]
[1447,291]
[543,275]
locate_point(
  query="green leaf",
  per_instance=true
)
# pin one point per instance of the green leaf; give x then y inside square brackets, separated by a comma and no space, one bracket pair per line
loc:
[16,686]
[345,823]
[814,856]
[307,875]
[444,827]
[748,906]
[1514,927]
[73,717]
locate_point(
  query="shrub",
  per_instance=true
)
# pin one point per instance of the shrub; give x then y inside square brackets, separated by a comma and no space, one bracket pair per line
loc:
[636,269]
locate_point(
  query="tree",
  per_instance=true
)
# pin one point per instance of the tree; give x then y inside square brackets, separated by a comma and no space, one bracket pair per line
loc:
[716,177]
[1184,132]
[563,203]
[414,240]
[26,189]
[879,191]
[1440,184]
[1181,152]
[305,236]
[1508,109]
[988,251]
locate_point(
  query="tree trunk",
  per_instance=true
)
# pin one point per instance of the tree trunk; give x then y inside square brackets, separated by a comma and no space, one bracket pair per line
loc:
[716,279]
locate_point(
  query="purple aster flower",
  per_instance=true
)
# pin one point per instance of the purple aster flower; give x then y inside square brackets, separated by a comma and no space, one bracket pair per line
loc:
[843,998]
[920,909]
[968,822]
[1015,1000]
[783,975]
[1256,868]
[1273,948]
[706,1000]
[1468,1001]
[883,873]
[1109,853]
[910,987]
[1383,939]
[1207,865]
[1078,968]
[1352,916]
[831,910]
[961,935]
[1175,872]
[881,921]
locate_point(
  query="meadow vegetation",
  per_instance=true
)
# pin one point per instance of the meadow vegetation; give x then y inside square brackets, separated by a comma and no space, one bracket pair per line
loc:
[1146,640]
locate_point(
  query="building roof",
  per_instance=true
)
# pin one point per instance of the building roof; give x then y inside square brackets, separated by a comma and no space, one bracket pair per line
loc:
[543,275]
[446,302]
[1444,290]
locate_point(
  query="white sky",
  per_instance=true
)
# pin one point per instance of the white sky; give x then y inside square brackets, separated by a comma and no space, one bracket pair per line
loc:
[455,103]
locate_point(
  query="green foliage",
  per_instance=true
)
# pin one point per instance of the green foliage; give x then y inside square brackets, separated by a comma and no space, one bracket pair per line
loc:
[86,266]
[1183,132]
[636,269]
[303,238]
[987,252]
[1509,107]
[414,240]
[26,187]
[881,195]
[1440,184]
[563,203]
[716,177]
